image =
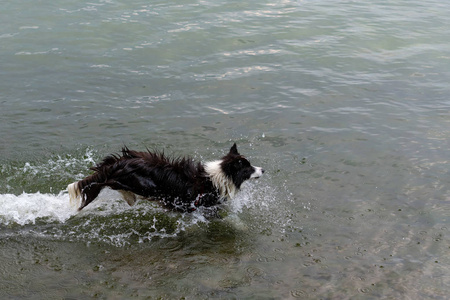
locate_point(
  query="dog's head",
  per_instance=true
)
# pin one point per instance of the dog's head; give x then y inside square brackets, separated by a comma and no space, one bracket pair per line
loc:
[238,168]
[228,174]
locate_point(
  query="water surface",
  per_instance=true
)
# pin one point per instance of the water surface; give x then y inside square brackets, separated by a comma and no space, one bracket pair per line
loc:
[344,103]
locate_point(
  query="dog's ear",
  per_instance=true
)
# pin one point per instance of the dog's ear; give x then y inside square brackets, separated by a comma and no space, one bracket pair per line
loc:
[234,150]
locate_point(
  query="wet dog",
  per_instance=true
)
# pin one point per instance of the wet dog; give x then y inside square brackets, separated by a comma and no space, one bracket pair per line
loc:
[178,183]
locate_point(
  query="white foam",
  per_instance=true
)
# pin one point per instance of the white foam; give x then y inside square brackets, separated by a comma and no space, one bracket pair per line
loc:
[28,208]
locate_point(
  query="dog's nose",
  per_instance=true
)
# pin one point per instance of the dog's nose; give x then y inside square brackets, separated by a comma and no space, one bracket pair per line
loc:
[262,171]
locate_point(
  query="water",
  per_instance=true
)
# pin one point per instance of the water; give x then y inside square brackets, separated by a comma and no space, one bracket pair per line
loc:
[344,103]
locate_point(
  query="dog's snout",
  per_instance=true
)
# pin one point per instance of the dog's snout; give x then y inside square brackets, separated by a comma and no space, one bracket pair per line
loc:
[262,171]
[257,172]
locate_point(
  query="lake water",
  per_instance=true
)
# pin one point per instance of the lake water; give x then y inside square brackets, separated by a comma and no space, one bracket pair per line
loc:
[346,104]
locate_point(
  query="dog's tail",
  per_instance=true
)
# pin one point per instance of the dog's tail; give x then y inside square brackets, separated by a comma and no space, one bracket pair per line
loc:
[83,192]
[74,194]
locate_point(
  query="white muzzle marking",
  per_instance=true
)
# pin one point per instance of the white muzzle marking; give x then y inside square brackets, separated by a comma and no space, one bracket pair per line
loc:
[258,172]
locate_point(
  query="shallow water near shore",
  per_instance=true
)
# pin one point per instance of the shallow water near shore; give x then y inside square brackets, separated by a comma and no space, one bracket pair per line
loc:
[344,104]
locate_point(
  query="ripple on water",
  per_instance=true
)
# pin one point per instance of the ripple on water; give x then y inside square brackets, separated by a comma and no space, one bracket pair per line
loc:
[254,271]
[171,245]
[299,293]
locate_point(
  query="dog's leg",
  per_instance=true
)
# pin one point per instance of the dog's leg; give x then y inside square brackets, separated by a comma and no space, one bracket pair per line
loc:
[130,197]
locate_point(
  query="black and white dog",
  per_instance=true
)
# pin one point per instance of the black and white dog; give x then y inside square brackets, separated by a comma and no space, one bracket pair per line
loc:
[178,183]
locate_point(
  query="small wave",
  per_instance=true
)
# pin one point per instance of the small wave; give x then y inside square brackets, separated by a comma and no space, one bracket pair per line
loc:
[109,219]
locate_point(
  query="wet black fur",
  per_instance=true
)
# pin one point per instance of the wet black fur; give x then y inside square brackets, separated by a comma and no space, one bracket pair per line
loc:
[179,183]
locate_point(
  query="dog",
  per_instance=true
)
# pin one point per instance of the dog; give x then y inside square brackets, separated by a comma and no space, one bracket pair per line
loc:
[179,183]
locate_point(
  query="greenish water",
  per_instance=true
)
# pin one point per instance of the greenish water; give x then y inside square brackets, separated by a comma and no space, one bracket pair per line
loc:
[344,103]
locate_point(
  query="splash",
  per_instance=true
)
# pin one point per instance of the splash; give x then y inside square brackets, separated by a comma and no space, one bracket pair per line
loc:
[263,204]
[49,174]
[31,208]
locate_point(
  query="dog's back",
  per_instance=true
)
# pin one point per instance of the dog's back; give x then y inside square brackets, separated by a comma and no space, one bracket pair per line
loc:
[177,181]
